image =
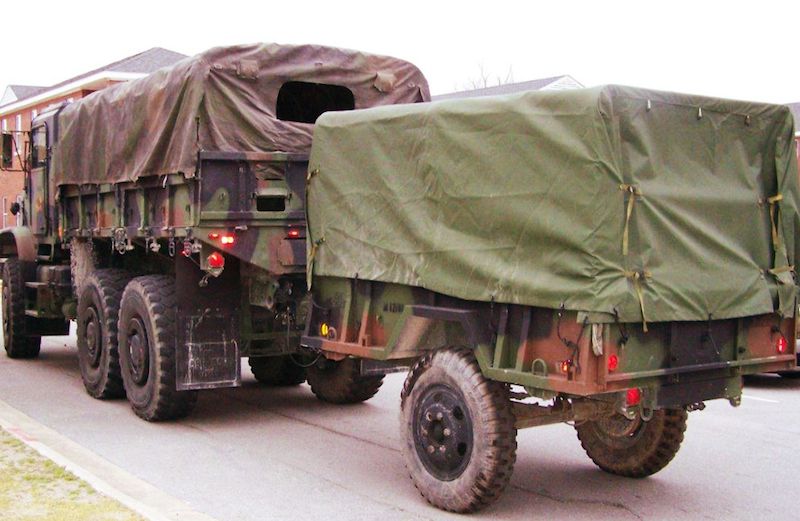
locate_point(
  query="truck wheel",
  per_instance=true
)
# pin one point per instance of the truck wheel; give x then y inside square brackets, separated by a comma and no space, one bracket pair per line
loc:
[277,371]
[18,344]
[790,374]
[98,315]
[147,349]
[341,382]
[458,431]
[633,448]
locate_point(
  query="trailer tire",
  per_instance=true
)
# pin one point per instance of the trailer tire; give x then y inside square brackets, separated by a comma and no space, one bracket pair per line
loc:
[633,448]
[17,342]
[277,371]
[147,337]
[341,382]
[458,430]
[98,318]
[792,375]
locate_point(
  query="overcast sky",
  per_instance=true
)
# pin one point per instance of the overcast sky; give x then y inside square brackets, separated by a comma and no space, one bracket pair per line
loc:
[703,47]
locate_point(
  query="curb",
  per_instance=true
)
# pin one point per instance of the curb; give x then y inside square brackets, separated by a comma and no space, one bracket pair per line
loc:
[102,475]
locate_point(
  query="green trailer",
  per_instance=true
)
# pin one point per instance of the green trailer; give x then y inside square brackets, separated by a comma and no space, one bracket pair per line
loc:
[612,257]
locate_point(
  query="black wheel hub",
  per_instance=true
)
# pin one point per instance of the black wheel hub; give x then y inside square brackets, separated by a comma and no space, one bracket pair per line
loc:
[138,350]
[443,432]
[93,337]
[618,431]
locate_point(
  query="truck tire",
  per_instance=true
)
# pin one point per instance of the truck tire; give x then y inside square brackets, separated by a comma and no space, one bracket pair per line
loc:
[792,375]
[633,448]
[147,349]
[98,317]
[341,382]
[459,437]
[17,342]
[277,371]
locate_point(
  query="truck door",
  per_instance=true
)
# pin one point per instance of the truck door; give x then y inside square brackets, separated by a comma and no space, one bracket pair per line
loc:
[39,208]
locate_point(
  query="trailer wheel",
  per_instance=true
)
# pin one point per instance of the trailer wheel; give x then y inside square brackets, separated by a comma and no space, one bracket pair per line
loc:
[277,371]
[792,375]
[633,448]
[98,315]
[341,382]
[17,342]
[147,349]
[458,431]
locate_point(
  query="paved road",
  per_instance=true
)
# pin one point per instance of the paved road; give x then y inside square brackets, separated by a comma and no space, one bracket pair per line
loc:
[254,453]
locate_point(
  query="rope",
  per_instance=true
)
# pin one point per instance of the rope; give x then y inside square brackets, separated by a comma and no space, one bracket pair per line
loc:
[775,219]
[637,277]
[633,191]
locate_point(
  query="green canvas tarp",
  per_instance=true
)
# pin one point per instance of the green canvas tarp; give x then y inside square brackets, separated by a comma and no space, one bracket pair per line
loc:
[652,205]
[225,99]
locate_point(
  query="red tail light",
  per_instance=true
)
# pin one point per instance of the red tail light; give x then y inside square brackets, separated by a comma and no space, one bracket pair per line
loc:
[782,345]
[293,234]
[613,363]
[216,260]
[633,397]
[226,239]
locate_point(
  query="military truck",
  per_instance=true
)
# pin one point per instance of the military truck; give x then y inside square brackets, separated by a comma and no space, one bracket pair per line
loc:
[587,256]
[612,257]
[167,217]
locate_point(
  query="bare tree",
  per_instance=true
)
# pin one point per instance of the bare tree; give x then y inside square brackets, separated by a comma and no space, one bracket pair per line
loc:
[484,79]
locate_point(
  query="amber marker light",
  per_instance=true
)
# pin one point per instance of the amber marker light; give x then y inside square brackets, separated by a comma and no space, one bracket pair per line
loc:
[227,240]
[324,329]
[565,365]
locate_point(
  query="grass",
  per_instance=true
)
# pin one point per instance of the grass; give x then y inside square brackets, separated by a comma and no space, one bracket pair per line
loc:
[34,488]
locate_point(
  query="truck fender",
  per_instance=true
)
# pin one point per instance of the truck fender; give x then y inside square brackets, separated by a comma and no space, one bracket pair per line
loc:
[18,242]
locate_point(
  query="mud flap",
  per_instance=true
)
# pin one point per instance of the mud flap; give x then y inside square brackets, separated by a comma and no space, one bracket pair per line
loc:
[207,349]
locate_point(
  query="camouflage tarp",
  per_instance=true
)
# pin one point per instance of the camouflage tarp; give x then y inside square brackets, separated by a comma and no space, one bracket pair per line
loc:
[598,199]
[224,100]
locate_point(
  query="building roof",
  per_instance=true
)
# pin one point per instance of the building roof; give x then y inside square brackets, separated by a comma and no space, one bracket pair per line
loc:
[552,83]
[141,63]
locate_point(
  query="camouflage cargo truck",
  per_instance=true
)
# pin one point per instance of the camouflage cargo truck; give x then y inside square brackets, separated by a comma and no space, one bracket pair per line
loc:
[166,216]
[612,257]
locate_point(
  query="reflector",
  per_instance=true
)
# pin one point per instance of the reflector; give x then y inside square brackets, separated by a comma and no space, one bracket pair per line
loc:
[216,260]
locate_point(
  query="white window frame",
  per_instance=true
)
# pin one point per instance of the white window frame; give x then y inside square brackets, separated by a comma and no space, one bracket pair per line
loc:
[5,211]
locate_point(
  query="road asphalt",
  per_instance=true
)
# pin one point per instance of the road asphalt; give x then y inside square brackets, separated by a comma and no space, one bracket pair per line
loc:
[256,453]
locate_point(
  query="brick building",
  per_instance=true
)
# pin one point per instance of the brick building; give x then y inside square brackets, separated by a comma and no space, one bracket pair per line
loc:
[21,103]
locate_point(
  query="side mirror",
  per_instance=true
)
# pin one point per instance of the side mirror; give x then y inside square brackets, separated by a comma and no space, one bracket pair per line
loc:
[8,149]
[14,208]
